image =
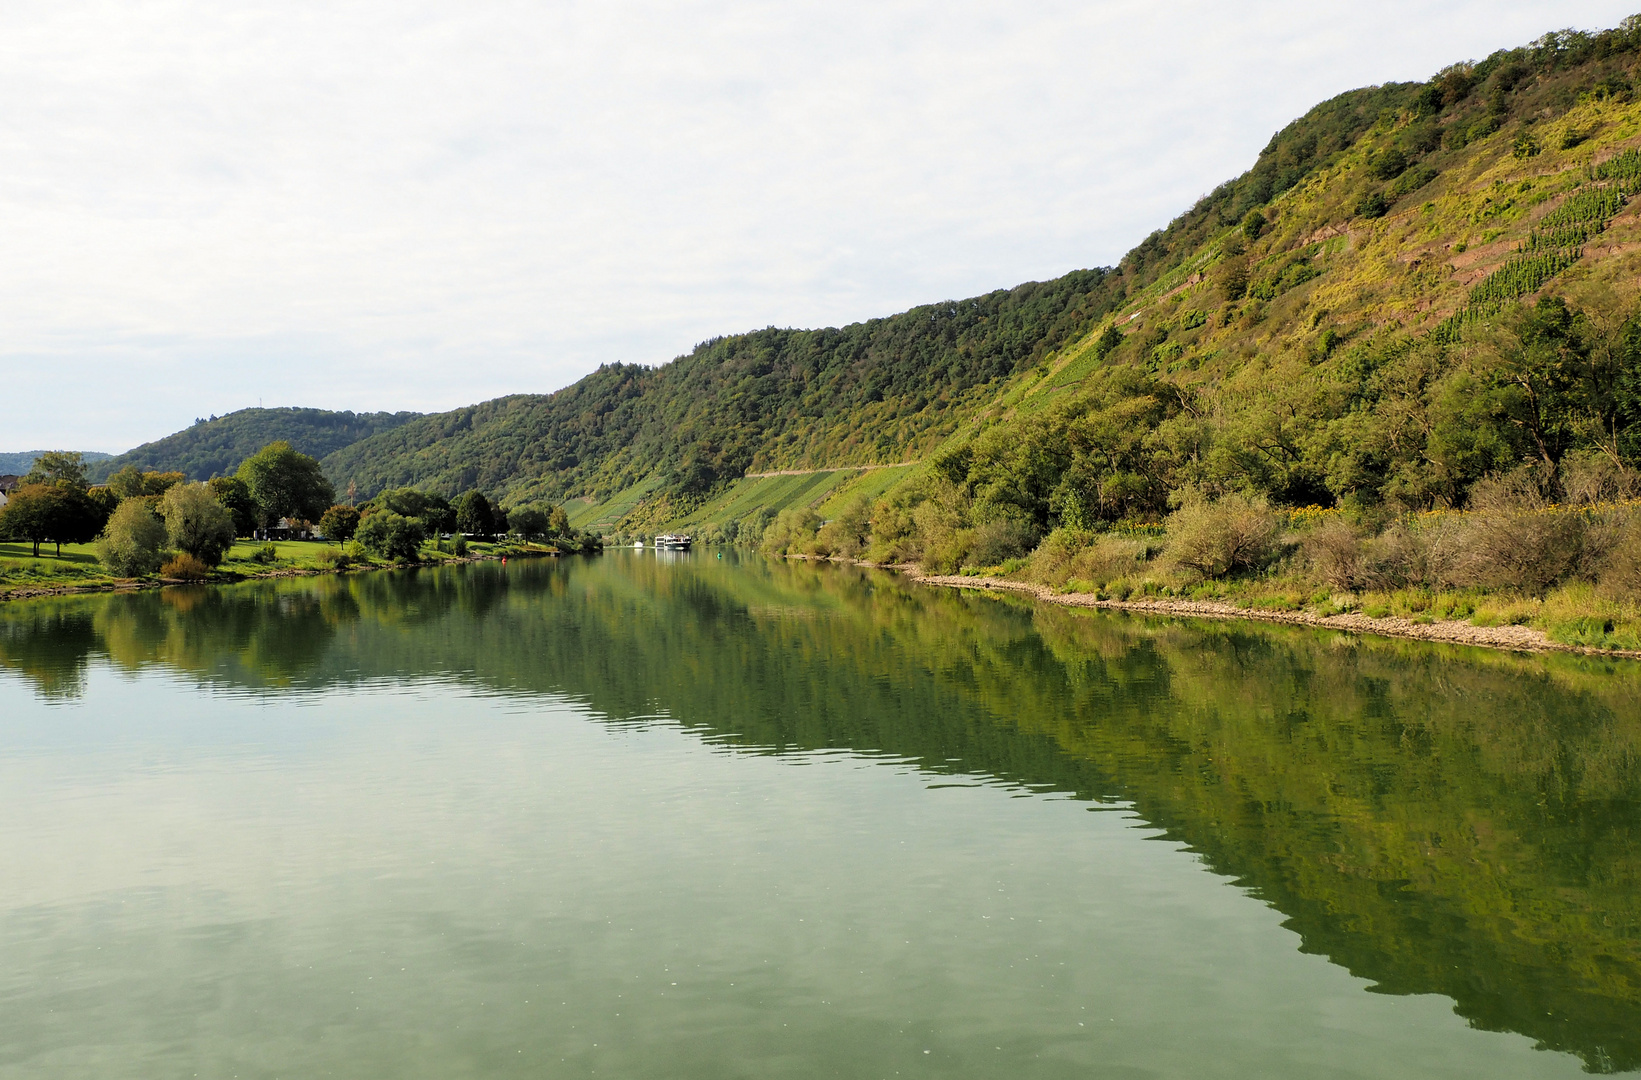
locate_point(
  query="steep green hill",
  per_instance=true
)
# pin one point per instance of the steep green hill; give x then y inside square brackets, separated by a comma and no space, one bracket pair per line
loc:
[1318,329]
[215,447]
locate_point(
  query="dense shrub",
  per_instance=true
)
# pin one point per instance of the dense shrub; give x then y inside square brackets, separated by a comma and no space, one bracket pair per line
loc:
[941,521]
[791,532]
[1589,478]
[1620,577]
[1218,538]
[847,535]
[1526,549]
[1051,562]
[995,541]
[1428,555]
[949,553]
[131,541]
[1067,555]
[894,536]
[1334,551]
[185,567]
[1517,538]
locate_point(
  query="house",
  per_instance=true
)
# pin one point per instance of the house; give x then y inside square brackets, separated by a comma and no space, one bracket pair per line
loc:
[10,483]
[287,529]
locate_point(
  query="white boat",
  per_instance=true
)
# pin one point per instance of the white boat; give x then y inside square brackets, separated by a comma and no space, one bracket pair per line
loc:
[638,543]
[672,542]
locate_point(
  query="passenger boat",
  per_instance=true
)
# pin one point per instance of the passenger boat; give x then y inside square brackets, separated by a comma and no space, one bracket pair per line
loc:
[672,542]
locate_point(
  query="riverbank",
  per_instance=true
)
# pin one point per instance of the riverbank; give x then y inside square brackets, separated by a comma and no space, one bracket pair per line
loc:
[1449,631]
[74,573]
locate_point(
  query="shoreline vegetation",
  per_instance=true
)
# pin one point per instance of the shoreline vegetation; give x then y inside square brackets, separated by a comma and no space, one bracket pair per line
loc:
[305,559]
[1514,572]
[276,516]
[296,558]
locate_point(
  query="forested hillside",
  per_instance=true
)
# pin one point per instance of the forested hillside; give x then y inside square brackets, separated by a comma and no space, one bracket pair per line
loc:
[871,392]
[216,446]
[18,464]
[1317,330]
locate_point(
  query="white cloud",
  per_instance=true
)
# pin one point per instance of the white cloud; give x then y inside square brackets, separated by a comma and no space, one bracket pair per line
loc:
[420,205]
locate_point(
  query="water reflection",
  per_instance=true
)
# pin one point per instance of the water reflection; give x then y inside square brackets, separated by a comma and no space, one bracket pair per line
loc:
[1435,820]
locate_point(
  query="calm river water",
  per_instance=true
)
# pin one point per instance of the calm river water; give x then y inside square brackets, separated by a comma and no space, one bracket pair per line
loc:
[637,816]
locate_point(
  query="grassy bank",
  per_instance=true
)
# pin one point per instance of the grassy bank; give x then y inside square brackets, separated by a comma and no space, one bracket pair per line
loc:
[77,568]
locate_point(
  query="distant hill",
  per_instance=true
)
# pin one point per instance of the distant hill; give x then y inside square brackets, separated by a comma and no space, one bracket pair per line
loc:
[867,393]
[19,464]
[215,447]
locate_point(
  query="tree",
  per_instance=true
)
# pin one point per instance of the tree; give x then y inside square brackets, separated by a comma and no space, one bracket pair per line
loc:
[529,522]
[473,514]
[431,510]
[103,501]
[128,483]
[558,522]
[438,517]
[233,493]
[286,484]
[391,536]
[1388,165]
[55,513]
[1232,275]
[58,467]
[339,523]
[197,523]
[131,541]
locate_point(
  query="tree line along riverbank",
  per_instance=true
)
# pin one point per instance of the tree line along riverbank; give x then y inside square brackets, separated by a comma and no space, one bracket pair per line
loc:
[276,514]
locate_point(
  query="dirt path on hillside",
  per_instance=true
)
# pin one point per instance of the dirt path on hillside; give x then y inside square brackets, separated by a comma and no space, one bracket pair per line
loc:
[845,468]
[1453,631]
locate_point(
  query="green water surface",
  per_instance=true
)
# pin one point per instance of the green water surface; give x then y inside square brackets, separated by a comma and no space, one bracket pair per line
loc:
[650,816]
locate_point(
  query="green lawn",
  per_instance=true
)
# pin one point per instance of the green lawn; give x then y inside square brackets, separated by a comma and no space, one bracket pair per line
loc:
[79,566]
[20,569]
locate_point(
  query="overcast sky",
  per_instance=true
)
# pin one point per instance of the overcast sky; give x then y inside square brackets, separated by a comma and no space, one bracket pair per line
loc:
[407,205]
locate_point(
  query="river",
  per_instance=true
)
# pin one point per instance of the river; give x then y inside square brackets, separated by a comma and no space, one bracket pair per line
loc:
[644,815]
